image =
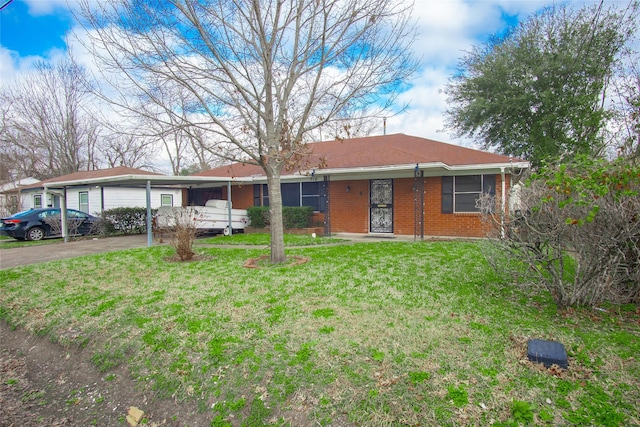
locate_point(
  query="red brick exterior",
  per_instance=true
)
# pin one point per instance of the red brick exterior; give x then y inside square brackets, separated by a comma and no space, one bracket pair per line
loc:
[349,208]
[241,196]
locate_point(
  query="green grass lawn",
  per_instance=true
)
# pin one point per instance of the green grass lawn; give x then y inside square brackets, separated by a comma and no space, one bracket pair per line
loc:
[9,242]
[371,334]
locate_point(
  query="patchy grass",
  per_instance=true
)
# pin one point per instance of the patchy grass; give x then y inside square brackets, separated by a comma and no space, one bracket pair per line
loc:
[9,242]
[262,239]
[364,334]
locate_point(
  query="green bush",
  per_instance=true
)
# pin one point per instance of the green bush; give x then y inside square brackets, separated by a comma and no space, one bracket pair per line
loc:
[297,216]
[259,216]
[125,220]
[293,216]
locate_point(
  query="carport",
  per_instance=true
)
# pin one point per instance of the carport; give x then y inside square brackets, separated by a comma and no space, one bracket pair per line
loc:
[144,181]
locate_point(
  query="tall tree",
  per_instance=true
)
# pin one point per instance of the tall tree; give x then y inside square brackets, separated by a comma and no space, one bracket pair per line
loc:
[48,128]
[260,74]
[540,90]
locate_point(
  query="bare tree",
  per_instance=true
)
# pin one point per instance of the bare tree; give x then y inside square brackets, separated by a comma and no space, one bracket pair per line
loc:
[48,129]
[260,75]
[577,235]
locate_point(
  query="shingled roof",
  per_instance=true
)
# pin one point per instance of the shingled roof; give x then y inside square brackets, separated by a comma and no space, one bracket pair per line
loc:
[378,151]
[98,173]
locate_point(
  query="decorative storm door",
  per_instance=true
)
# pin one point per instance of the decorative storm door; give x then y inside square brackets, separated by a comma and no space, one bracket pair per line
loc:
[381,206]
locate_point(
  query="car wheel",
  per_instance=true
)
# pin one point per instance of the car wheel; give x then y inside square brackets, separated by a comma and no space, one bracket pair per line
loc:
[35,233]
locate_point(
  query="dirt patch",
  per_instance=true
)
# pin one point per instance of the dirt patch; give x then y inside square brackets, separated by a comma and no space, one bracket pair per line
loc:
[44,383]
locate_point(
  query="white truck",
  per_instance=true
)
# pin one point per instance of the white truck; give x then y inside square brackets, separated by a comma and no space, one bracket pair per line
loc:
[212,217]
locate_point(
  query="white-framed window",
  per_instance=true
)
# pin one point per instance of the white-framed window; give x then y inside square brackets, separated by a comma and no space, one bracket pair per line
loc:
[166,200]
[37,201]
[83,198]
[294,194]
[460,193]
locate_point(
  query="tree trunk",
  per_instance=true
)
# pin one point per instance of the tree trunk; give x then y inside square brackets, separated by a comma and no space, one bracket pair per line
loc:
[275,211]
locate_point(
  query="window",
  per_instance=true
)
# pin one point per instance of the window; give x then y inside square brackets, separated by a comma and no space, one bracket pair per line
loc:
[460,193]
[311,195]
[83,198]
[166,200]
[293,194]
[37,201]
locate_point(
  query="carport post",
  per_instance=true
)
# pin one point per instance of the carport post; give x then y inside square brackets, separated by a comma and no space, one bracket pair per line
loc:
[63,215]
[149,230]
[229,207]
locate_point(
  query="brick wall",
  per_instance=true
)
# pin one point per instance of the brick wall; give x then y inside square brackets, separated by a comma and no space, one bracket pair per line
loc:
[349,205]
[241,196]
[350,210]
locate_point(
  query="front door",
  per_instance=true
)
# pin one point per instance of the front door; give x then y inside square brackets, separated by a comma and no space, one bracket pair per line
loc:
[381,205]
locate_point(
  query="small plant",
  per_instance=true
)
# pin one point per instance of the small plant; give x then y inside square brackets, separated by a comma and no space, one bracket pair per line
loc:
[458,395]
[522,411]
[377,355]
[418,377]
[183,231]
[324,312]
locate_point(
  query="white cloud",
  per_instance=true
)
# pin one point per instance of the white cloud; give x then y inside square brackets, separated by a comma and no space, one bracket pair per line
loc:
[447,29]
[45,7]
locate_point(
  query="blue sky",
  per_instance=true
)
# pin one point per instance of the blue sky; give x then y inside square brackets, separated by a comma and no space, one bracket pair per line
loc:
[32,30]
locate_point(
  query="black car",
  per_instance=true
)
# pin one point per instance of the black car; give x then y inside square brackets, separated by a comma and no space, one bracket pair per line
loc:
[36,224]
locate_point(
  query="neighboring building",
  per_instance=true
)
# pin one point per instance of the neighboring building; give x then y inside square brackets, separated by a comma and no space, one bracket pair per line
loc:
[12,199]
[390,184]
[94,199]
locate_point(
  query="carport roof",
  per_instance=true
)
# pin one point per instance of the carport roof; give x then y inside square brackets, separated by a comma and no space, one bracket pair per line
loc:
[130,177]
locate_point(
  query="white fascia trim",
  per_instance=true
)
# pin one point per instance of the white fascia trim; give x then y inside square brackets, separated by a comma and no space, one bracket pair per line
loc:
[154,179]
[372,170]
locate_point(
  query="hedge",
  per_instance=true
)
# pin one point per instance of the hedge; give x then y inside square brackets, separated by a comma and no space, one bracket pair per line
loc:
[125,220]
[293,216]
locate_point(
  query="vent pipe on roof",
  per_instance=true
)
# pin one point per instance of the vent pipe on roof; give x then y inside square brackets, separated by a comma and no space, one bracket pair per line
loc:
[384,125]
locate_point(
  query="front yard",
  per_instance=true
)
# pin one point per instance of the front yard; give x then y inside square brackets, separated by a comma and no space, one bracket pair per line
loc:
[375,334]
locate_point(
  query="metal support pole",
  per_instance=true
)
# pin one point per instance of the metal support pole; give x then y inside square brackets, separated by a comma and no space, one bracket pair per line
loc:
[64,216]
[149,224]
[504,203]
[327,214]
[229,207]
[418,204]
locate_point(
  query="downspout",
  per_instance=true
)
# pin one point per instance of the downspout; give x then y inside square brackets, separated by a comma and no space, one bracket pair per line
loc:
[504,202]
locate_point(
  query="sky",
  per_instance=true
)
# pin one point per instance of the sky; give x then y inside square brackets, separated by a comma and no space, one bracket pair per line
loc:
[35,30]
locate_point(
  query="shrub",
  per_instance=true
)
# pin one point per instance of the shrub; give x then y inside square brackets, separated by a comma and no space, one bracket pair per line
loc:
[297,216]
[293,216]
[183,232]
[258,216]
[577,231]
[125,220]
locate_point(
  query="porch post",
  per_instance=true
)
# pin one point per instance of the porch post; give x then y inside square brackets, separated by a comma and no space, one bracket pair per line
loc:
[327,210]
[504,202]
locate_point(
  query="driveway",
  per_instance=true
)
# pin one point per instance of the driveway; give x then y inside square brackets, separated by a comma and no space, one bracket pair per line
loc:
[16,257]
